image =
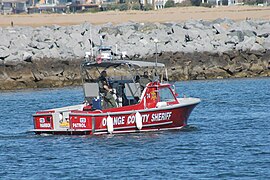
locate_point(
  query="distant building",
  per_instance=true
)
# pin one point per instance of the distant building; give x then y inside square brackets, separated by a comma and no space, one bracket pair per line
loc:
[55,6]
[224,2]
[13,6]
[61,6]
[159,4]
[66,6]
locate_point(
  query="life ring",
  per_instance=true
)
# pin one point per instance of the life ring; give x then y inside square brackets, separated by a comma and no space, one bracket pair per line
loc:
[110,124]
[138,120]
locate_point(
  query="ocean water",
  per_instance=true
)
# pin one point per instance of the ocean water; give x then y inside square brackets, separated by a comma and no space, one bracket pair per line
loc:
[228,137]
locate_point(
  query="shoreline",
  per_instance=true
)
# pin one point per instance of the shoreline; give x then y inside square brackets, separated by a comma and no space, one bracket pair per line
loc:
[178,14]
[79,86]
[49,56]
[57,74]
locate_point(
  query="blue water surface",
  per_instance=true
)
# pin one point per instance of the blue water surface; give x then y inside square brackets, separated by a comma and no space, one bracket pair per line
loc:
[228,137]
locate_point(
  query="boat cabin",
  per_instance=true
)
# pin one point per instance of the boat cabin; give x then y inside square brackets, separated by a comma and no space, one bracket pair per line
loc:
[128,83]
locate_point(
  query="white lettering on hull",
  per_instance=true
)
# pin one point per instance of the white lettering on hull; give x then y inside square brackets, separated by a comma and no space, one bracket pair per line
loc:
[161,116]
[78,125]
[45,125]
[145,117]
[120,120]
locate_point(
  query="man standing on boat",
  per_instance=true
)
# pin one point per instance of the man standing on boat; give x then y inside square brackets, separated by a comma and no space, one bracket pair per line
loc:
[144,80]
[106,91]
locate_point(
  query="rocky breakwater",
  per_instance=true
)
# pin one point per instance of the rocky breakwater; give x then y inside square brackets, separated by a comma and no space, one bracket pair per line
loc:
[50,56]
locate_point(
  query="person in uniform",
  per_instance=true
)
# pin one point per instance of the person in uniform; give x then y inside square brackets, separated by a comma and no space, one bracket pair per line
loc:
[144,80]
[106,91]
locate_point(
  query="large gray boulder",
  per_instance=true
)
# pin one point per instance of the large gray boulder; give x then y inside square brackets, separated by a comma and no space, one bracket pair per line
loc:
[246,44]
[223,21]
[146,27]
[78,51]
[257,48]
[238,34]
[54,53]
[266,43]
[5,41]
[4,52]
[137,39]
[249,33]
[27,56]
[242,25]
[263,29]
[76,37]
[13,59]
[219,29]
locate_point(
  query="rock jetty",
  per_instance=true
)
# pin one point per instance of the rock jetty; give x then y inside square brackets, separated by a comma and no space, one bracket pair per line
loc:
[50,56]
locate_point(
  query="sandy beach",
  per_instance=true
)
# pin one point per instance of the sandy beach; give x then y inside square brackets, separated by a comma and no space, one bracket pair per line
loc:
[117,17]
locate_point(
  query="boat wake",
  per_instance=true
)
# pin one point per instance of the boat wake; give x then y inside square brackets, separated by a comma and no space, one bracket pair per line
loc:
[190,128]
[18,135]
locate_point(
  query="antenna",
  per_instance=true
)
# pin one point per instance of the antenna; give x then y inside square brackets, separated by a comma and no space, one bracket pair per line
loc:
[156,41]
[101,41]
[92,52]
[156,78]
[116,52]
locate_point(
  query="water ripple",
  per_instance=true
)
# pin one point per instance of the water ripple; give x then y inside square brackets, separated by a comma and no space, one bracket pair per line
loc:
[227,138]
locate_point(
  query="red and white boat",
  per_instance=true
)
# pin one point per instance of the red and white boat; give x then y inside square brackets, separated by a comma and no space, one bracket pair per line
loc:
[139,109]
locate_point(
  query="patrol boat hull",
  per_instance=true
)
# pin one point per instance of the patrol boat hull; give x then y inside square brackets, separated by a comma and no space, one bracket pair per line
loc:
[118,120]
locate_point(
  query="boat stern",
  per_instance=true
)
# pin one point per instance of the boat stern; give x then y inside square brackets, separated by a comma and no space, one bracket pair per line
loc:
[59,121]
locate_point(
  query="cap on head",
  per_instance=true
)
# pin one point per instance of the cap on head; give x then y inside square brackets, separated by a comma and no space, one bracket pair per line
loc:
[104,73]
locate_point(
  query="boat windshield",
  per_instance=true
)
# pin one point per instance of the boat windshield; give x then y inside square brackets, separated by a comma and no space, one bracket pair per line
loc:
[165,95]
